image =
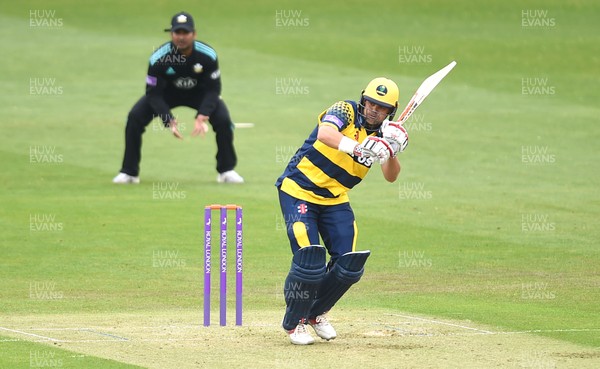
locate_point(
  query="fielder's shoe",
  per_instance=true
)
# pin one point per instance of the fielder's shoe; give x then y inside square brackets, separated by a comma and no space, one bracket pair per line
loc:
[230,176]
[123,178]
[322,328]
[300,336]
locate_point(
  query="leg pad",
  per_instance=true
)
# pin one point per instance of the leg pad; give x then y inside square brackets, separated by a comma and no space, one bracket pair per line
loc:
[347,271]
[306,273]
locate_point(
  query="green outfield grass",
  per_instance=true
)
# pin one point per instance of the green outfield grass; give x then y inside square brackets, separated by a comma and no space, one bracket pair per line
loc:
[494,222]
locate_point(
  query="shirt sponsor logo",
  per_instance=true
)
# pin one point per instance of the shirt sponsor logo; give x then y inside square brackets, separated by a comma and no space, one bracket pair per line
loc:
[333,119]
[185,83]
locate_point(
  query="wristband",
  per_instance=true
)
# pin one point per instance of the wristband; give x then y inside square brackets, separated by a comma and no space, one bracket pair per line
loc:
[347,145]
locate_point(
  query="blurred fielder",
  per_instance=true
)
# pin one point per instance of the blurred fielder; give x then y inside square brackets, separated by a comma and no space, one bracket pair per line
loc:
[182,72]
[349,138]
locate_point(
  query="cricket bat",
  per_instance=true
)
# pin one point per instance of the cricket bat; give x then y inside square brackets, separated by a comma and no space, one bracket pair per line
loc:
[425,89]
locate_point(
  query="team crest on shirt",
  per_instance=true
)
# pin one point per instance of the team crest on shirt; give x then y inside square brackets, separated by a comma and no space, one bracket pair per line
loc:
[198,68]
[302,208]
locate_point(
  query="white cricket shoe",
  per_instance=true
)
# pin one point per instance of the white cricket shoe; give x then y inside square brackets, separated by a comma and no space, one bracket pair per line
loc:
[230,176]
[323,328]
[124,178]
[300,335]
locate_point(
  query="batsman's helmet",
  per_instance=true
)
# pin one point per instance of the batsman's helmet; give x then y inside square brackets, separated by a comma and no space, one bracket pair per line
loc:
[381,91]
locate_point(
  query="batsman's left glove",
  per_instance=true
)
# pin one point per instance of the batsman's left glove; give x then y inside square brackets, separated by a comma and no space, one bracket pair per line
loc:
[377,148]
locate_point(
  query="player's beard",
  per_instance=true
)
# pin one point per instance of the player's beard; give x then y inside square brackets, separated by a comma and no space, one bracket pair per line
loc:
[184,47]
[183,43]
[372,127]
[372,120]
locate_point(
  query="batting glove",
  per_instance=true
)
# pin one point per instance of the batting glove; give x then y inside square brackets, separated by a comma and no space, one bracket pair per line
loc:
[378,148]
[395,134]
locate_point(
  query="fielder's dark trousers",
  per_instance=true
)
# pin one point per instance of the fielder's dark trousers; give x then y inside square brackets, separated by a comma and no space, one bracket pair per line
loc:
[142,114]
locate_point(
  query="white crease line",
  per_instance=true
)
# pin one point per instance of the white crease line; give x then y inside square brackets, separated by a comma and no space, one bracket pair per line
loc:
[481,331]
[199,327]
[443,323]
[83,341]
[203,339]
[104,334]
[56,329]
[551,330]
[87,329]
[409,333]
[30,334]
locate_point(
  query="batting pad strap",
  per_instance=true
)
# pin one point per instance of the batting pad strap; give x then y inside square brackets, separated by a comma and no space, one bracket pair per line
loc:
[347,145]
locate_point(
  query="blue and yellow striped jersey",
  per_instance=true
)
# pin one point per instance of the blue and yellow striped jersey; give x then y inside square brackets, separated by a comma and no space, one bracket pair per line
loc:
[323,175]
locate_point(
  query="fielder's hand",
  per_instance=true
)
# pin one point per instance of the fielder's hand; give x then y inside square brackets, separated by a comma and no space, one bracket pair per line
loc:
[200,126]
[395,134]
[174,130]
[377,148]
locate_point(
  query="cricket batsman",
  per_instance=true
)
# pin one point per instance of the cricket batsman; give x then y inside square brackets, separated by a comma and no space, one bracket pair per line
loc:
[349,139]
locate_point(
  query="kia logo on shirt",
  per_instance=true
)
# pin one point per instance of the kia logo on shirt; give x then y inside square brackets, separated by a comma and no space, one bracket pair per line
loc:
[185,83]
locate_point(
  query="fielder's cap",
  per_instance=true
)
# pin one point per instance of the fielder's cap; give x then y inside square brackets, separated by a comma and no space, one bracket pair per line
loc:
[181,20]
